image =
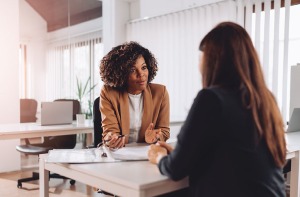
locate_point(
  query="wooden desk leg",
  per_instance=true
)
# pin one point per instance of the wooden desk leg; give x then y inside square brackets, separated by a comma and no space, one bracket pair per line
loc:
[44,177]
[295,177]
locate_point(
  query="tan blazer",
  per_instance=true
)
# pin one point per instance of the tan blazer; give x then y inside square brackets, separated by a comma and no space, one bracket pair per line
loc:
[114,107]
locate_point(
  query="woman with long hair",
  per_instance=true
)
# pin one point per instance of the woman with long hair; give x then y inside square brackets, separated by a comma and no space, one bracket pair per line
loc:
[232,142]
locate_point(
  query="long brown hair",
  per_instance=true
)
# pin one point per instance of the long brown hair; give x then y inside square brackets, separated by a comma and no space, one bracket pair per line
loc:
[230,60]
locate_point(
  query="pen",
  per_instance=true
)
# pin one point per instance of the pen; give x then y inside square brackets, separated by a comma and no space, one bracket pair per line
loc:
[120,136]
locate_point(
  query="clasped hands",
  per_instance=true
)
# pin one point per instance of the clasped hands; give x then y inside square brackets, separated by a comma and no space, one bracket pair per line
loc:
[158,151]
[116,141]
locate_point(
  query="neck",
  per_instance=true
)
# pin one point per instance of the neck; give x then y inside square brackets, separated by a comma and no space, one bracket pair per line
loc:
[134,92]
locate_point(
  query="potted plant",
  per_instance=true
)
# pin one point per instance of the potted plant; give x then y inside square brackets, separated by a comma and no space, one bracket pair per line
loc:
[82,91]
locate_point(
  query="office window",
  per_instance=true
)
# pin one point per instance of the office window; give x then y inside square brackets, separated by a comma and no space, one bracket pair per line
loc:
[276,35]
[74,65]
[176,48]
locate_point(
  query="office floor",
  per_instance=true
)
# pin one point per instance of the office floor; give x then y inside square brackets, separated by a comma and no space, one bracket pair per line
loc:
[58,187]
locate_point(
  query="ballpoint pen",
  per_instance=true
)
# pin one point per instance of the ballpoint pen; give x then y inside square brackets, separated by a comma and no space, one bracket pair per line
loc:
[104,142]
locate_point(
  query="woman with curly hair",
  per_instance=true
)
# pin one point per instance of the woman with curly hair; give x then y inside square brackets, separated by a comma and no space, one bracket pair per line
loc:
[132,108]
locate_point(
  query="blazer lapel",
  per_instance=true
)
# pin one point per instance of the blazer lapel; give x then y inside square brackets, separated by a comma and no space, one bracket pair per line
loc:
[147,113]
[124,112]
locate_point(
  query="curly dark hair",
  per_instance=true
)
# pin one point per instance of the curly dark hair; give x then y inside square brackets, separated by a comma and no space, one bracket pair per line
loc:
[115,66]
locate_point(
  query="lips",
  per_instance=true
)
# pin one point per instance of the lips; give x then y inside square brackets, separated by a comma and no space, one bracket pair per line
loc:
[141,82]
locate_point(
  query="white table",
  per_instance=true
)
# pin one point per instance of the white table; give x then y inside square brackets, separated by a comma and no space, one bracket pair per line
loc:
[142,179]
[31,130]
[293,146]
[132,179]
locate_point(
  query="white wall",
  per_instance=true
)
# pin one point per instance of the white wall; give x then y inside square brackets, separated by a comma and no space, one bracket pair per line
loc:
[33,29]
[294,91]
[91,26]
[116,14]
[9,80]
[9,69]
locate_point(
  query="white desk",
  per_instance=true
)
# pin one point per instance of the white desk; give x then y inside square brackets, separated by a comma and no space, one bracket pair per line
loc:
[142,179]
[31,130]
[131,179]
[293,146]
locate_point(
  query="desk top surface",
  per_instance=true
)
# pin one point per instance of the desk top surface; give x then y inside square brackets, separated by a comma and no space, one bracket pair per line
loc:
[29,130]
[293,140]
[133,174]
[30,127]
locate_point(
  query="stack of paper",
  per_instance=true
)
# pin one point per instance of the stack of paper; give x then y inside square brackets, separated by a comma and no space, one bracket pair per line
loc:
[130,153]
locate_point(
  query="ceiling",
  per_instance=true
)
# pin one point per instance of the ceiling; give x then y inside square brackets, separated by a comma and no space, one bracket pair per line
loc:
[55,12]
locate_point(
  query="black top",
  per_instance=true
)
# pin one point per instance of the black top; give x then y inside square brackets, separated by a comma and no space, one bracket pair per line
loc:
[219,150]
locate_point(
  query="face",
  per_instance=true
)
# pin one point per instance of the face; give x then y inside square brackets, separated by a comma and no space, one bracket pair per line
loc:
[138,77]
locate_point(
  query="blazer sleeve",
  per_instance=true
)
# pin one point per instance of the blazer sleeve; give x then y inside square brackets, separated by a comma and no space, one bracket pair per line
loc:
[108,114]
[163,119]
[197,137]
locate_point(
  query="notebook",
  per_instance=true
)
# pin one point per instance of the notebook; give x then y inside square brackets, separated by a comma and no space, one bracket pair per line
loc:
[294,123]
[55,113]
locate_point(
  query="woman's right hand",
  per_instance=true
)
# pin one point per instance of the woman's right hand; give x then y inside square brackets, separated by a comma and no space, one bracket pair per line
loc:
[114,141]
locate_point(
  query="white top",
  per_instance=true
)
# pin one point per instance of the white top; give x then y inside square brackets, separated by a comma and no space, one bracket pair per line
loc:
[135,114]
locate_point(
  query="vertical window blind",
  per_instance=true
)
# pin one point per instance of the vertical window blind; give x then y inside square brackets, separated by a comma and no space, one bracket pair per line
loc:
[174,39]
[71,63]
[268,26]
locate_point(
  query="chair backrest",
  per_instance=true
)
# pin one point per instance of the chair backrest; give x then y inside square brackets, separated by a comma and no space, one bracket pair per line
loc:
[28,108]
[76,106]
[97,122]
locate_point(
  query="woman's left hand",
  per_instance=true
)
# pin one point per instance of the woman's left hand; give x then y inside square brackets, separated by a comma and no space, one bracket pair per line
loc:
[152,135]
[156,152]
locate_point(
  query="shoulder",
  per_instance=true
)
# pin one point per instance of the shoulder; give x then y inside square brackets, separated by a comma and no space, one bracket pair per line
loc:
[108,92]
[206,93]
[157,88]
[217,93]
[216,97]
[209,97]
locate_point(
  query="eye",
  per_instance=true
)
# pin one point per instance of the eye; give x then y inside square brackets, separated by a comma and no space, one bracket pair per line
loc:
[144,67]
[132,70]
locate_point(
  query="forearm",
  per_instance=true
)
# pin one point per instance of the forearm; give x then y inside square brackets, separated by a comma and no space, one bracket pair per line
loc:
[175,170]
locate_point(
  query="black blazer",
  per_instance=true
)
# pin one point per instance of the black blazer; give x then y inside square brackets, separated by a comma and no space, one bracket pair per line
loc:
[219,150]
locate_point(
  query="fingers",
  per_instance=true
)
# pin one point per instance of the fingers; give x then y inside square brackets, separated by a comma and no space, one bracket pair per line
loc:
[166,146]
[150,127]
[119,143]
[116,141]
[159,135]
[108,136]
[150,135]
[155,153]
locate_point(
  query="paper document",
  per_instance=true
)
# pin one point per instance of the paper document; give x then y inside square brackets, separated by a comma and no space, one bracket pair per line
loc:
[129,153]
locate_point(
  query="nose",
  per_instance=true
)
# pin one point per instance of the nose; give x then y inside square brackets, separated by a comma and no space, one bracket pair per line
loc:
[140,73]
